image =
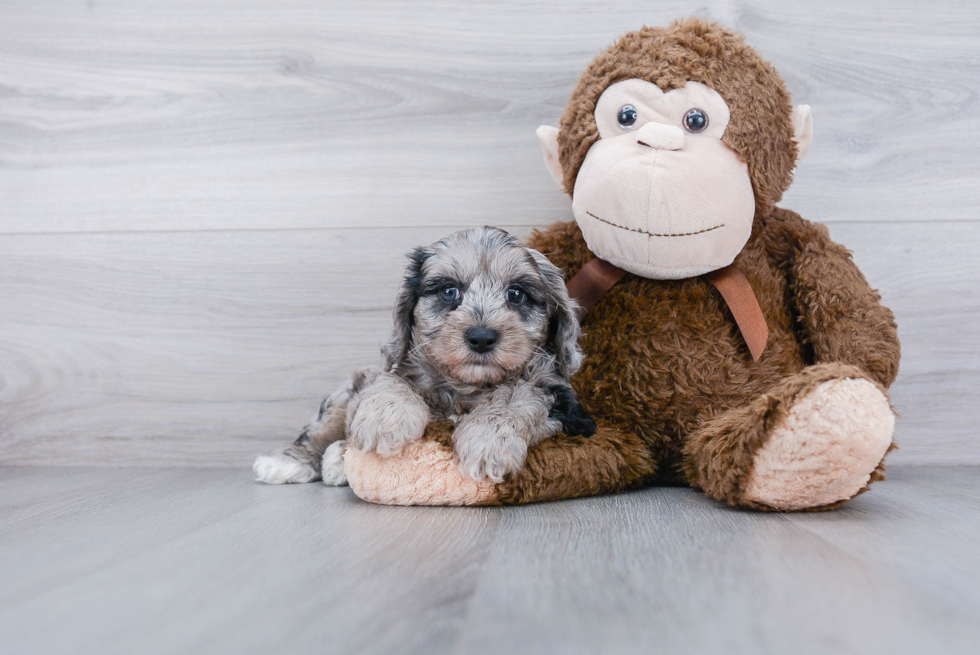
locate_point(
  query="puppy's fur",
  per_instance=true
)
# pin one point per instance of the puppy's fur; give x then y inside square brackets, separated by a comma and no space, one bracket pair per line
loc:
[486,336]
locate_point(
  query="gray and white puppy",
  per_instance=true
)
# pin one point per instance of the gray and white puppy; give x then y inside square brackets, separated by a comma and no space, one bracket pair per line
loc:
[486,336]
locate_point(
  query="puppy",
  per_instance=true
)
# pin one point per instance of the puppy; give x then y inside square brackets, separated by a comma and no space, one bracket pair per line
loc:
[486,336]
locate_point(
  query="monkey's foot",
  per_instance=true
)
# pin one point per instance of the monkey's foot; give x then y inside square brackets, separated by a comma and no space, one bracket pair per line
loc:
[825,450]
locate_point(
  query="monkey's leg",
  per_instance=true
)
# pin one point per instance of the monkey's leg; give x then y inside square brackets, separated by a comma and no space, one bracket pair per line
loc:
[813,441]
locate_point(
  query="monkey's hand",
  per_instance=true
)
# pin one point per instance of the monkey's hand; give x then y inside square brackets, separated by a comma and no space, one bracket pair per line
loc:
[386,416]
[492,440]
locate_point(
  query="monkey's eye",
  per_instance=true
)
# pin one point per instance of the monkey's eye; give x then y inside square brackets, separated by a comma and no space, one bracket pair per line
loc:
[695,120]
[627,117]
[516,296]
[449,293]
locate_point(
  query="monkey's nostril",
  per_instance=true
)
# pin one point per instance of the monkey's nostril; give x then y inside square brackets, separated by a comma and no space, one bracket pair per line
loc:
[481,339]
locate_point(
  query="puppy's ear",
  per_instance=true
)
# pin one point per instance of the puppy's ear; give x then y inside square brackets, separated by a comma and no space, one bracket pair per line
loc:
[396,350]
[563,326]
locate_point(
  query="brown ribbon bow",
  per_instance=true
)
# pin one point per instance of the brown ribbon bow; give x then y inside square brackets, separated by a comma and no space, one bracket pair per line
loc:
[598,276]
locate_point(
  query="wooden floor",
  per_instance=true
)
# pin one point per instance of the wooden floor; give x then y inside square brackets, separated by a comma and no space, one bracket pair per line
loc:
[206,561]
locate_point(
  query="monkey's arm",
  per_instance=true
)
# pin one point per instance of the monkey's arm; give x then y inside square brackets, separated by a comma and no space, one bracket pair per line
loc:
[842,316]
[425,473]
[611,461]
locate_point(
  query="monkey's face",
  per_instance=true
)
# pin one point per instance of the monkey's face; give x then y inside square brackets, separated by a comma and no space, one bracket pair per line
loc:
[659,194]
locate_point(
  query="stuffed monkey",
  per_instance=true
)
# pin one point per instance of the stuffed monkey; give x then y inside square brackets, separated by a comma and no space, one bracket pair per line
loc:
[730,344]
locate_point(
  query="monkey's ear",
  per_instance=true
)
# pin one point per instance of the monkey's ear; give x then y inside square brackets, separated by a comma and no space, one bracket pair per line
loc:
[403,317]
[548,136]
[802,129]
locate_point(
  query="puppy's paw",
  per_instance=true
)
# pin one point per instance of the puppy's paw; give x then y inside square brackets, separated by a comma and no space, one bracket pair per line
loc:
[282,469]
[569,412]
[332,467]
[388,415]
[488,448]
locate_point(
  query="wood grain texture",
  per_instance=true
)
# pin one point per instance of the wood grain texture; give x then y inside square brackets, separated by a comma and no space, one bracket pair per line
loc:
[204,205]
[232,115]
[142,561]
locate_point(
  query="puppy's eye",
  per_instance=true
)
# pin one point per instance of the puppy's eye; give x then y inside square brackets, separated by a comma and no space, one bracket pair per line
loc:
[516,296]
[449,293]
[627,116]
[695,120]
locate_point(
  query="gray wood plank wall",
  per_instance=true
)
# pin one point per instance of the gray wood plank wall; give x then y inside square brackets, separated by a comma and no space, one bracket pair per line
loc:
[204,204]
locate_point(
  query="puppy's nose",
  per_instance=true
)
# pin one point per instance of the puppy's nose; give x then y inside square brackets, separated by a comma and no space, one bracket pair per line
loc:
[481,339]
[660,136]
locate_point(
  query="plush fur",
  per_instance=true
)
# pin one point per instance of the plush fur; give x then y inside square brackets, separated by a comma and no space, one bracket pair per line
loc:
[667,375]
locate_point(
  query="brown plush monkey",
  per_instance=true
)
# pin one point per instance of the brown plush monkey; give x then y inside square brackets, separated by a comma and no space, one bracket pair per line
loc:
[732,346]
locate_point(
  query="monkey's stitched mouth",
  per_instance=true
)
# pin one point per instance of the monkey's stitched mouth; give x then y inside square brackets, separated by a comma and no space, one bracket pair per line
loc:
[651,234]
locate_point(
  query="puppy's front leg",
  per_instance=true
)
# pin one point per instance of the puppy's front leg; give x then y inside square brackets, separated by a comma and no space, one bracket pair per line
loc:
[492,440]
[386,416]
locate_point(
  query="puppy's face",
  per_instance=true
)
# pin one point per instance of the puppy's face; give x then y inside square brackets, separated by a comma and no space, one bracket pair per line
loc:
[478,306]
[482,307]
